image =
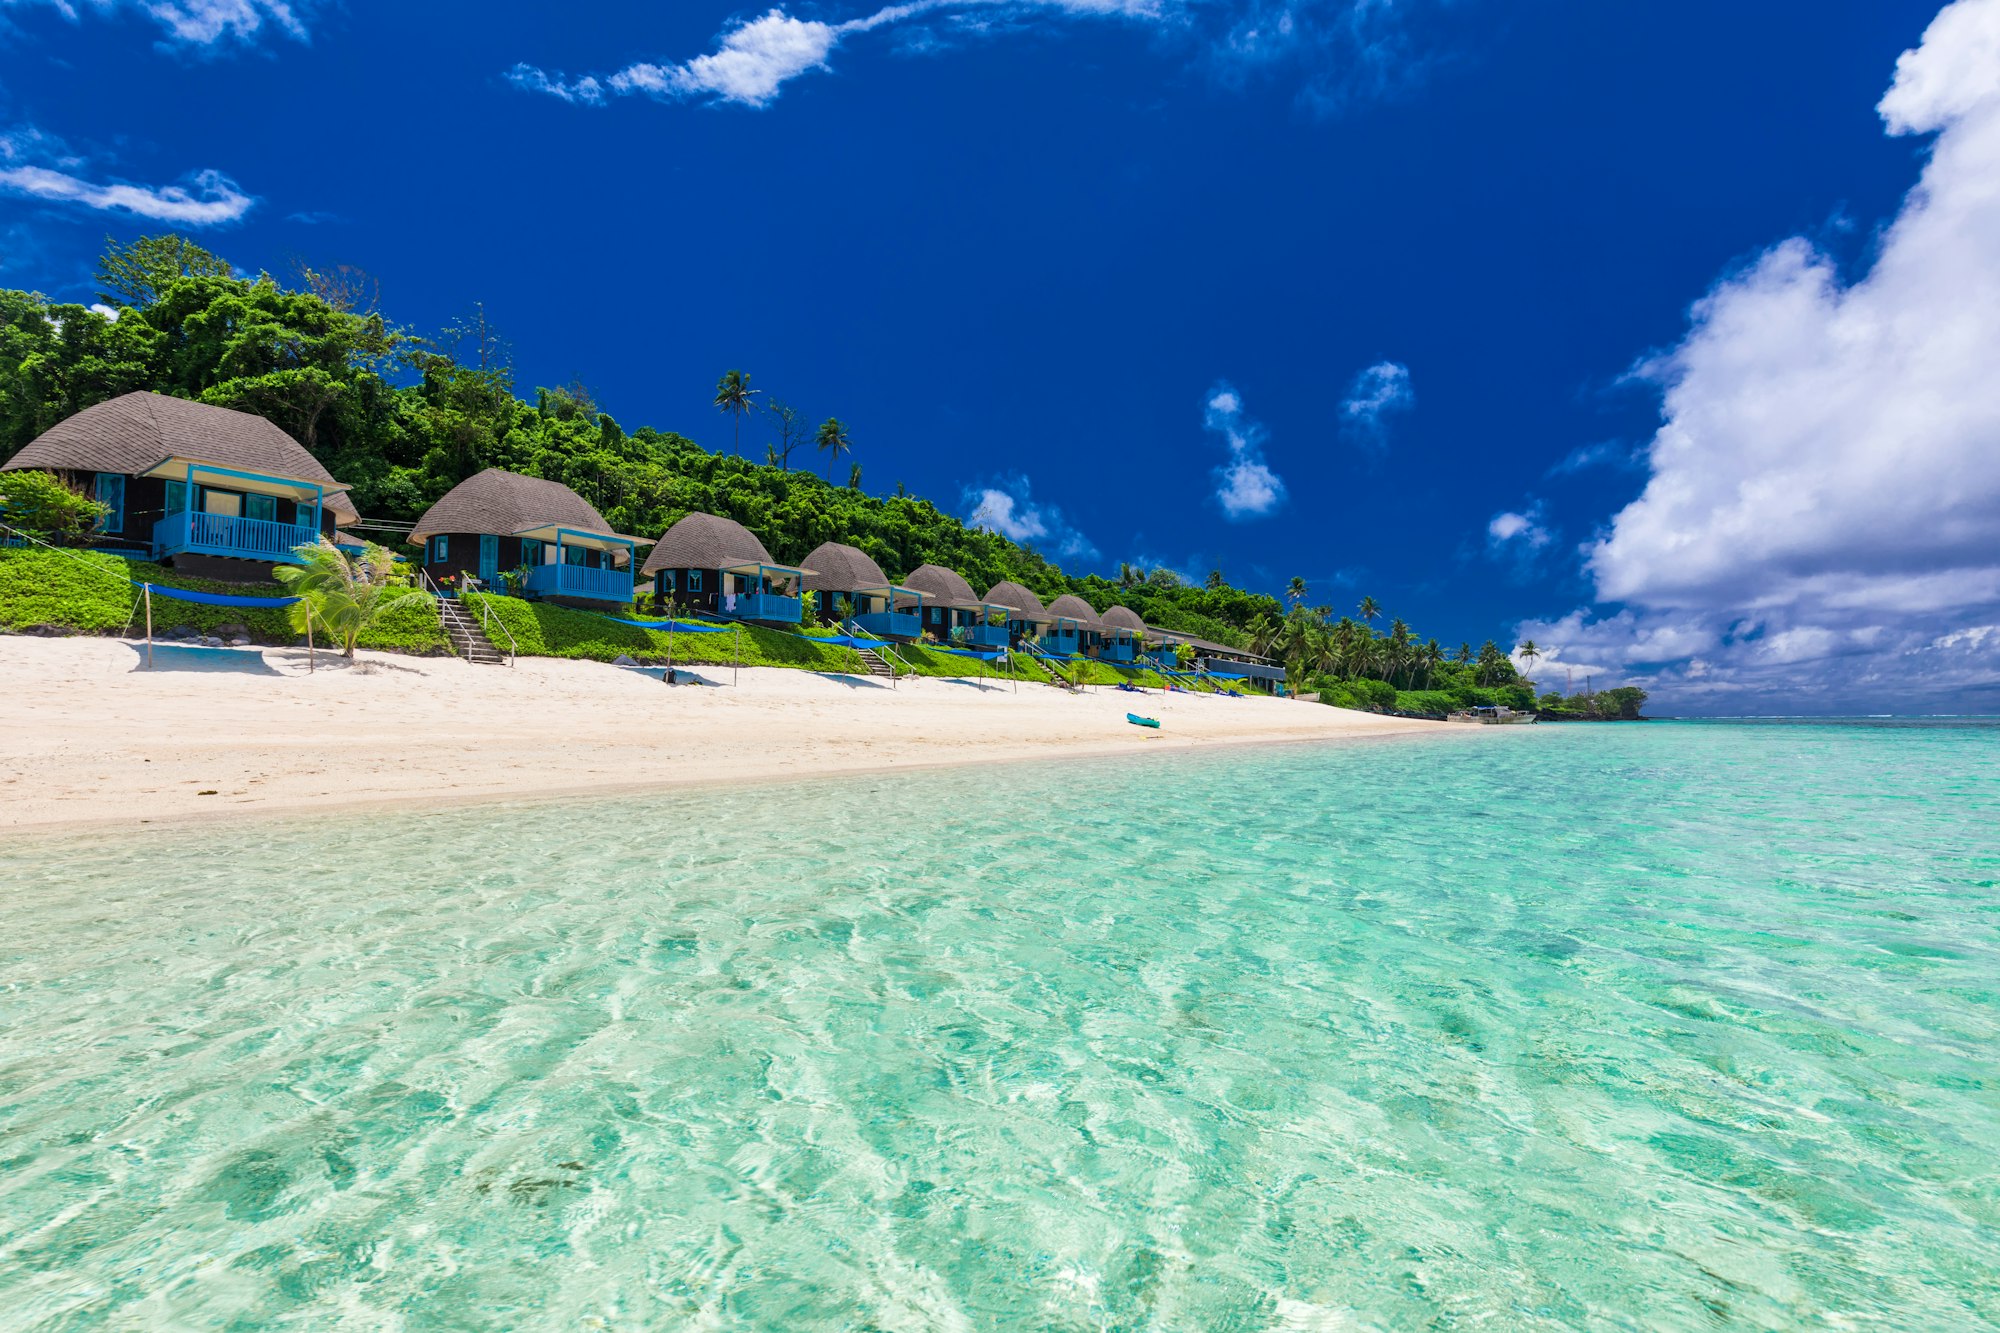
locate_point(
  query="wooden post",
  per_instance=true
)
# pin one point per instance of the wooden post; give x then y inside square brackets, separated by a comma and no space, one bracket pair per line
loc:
[737,666]
[312,658]
[146,591]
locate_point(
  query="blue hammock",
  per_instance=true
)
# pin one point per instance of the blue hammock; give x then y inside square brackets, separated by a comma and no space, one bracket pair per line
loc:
[216,598]
[673,625]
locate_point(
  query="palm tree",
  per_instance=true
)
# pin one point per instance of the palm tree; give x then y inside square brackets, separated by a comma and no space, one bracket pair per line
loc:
[1432,656]
[1529,652]
[337,596]
[833,442]
[1370,609]
[733,394]
[1295,591]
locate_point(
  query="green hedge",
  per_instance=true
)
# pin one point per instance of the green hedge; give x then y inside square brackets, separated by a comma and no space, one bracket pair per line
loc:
[541,629]
[86,592]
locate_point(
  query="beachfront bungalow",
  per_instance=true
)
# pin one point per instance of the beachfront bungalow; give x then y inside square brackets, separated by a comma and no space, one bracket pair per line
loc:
[1027,618]
[953,613]
[215,493]
[1223,662]
[497,520]
[836,573]
[1077,628]
[1122,630]
[714,566]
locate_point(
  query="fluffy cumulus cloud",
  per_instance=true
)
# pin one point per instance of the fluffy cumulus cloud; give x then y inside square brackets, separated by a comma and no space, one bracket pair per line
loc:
[36,166]
[1008,508]
[1245,485]
[1821,524]
[1509,530]
[1343,44]
[193,23]
[1377,393]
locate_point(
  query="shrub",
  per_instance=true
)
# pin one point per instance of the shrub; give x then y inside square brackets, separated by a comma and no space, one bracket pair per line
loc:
[43,505]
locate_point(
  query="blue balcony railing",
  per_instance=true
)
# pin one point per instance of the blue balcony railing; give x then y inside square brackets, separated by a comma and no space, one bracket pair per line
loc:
[986,636]
[1118,652]
[227,535]
[890,624]
[1060,642]
[762,606]
[582,582]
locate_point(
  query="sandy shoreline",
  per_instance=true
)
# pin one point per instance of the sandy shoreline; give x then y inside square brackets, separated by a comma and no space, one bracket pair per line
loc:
[94,739]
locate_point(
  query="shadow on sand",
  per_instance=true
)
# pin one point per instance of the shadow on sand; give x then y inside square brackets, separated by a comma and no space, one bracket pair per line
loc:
[190,657]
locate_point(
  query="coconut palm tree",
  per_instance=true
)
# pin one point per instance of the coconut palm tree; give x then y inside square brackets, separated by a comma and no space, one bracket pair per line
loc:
[1529,652]
[337,596]
[1370,610]
[733,394]
[833,442]
[1433,657]
[1295,592]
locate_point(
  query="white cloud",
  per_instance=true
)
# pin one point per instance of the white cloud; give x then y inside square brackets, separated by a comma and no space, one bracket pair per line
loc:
[1822,519]
[109,312]
[1008,509]
[208,199]
[1344,45]
[1380,391]
[1510,529]
[199,23]
[1605,454]
[1245,485]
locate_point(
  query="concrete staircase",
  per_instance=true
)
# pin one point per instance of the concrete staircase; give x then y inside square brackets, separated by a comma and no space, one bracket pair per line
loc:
[876,665]
[467,639]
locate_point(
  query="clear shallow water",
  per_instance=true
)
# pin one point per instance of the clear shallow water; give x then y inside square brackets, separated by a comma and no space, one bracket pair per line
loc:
[1613,1027]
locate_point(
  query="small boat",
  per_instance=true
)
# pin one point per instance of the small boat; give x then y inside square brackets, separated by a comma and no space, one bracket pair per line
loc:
[1492,716]
[1138,721]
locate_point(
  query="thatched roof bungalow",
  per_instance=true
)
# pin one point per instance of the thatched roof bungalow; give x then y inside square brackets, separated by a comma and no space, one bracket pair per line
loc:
[215,492]
[952,612]
[712,565]
[839,574]
[497,520]
[1122,630]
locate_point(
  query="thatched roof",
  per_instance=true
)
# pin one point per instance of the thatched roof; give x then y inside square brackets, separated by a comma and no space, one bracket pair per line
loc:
[1071,607]
[505,503]
[839,568]
[943,587]
[706,541]
[1122,617]
[136,432]
[1016,598]
[341,506]
[1173,636]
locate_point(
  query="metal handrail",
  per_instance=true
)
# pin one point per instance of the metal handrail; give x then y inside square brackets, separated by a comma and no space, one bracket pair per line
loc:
[1054,664]
[486,617]
[854,631]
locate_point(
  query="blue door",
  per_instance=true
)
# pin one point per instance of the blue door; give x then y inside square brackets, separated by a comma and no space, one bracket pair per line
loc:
[489,559]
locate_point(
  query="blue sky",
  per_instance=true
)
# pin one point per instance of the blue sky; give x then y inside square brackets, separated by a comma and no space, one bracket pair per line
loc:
[1394,297]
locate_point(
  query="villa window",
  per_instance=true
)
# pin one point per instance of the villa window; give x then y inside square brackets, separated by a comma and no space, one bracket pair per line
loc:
[111,493]
[440,547]
[177,497]
[262,507]
[694,580]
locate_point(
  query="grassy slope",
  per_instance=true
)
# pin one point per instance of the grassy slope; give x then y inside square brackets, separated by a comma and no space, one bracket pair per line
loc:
[79,592]
[542,630]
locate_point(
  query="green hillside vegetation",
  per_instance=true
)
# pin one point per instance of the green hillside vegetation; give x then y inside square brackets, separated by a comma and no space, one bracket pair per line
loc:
[404,417]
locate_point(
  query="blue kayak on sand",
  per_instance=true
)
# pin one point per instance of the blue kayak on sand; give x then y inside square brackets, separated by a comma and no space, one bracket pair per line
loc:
[1138,721]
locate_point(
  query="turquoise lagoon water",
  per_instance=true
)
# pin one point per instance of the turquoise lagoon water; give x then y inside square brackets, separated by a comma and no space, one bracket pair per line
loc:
[1675,1026]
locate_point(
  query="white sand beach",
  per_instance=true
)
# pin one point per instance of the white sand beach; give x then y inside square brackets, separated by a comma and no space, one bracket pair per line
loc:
[92,737]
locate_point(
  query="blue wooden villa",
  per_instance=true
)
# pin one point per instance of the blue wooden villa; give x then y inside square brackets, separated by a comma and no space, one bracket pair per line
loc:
[1027,618]
[838,575]
[713,566]
[1122,631]
[496,521]
[216,493]
[1077,628]
[953,613]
